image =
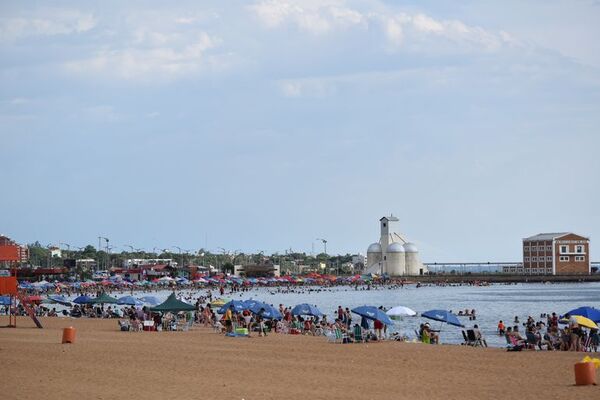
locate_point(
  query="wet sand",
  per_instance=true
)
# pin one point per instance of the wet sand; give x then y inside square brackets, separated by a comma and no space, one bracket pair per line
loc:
[105,363]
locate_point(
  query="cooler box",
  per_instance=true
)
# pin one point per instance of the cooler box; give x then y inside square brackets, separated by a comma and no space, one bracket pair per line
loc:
[148,326]
[241,331]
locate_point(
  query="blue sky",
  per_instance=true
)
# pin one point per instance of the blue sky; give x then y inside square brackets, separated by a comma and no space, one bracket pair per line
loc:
[265,125]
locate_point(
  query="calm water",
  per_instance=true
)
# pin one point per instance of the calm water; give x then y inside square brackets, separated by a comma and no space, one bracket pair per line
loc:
[492,303]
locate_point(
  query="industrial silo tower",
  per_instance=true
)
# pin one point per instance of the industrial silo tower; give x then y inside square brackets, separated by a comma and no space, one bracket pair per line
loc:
[393,254]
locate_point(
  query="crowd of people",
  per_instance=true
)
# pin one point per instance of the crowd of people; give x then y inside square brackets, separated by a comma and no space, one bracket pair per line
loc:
[546,333]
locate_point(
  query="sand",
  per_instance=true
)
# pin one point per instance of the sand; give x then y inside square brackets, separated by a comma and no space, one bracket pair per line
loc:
[105,363]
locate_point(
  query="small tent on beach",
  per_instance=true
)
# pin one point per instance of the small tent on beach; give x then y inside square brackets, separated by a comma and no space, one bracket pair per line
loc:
[174,305]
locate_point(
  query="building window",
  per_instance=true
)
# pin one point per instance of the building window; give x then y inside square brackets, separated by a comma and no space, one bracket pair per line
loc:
[564,258]
[526,259]
[548,248]
[549,258]
[579,258]
[564,249]
[579,249]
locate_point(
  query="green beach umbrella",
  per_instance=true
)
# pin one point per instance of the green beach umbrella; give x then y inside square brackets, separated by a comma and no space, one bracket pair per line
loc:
[104,299]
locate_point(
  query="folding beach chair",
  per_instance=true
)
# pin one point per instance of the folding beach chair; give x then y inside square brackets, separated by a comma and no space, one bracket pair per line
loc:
[531,340]
[358,334]
[511,344]
[466,341]
[330,335]
[472,339]
[339,336]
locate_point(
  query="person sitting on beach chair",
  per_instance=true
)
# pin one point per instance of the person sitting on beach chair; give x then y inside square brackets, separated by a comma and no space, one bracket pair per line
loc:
[136,325]
[358,334]
[427,336]
[124,325]
[478,336]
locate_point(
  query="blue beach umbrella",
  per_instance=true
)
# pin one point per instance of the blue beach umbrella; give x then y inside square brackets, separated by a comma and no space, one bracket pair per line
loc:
[150,300]
[238,306]
[373,313]
[586,311]
[265,310]
[60,300]
[251,303]
[442,316]
[306,309]
[130,301]
[82,300]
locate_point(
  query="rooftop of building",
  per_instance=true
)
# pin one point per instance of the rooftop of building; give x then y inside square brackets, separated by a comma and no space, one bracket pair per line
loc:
[549,236]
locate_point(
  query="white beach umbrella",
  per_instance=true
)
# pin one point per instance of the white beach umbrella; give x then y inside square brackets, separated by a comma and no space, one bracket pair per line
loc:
[400,311]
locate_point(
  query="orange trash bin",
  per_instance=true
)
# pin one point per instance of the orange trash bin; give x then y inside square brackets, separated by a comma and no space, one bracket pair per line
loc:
[69,335]
[585,373]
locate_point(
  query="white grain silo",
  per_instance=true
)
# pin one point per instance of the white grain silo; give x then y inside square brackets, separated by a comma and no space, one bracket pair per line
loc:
[374,254]
[413,264]
[395,259]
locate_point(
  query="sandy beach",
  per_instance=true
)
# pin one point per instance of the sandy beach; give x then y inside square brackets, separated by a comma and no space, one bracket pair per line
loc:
[107,364]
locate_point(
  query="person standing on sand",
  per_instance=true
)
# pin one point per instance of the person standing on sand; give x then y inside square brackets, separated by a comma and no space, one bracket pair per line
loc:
[348,315]
[378,325]
[575,333]
[229,319]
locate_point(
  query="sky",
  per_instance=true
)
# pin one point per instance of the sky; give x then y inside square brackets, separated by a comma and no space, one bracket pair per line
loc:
[264,125]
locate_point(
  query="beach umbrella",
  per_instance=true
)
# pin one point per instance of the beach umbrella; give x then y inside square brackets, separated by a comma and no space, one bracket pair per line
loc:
[581,321]
[238,306]
[306,309]
[150,300]
[104,299]
[588,312]
[173,304]
[129,300]
[32,299]
[59,299]
[400,311]
[219,302]
[373,313]
[265,310]
[442,316]
[83,300]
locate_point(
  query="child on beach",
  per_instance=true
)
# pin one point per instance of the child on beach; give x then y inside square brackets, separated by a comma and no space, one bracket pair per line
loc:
[501,328]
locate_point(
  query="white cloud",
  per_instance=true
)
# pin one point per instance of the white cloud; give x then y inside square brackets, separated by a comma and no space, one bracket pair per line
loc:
[398,29]
[315,17]
[58,22]
[163,61]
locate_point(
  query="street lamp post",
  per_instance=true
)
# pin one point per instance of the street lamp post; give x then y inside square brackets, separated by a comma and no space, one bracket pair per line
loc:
[324,244]
[130,264]
[180,256]
[107,256]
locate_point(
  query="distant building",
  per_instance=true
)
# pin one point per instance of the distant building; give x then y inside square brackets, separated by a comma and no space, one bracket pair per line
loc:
[359,261]
[257,270]
[563,253]
[22,250]
[138,262]
[55,251]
